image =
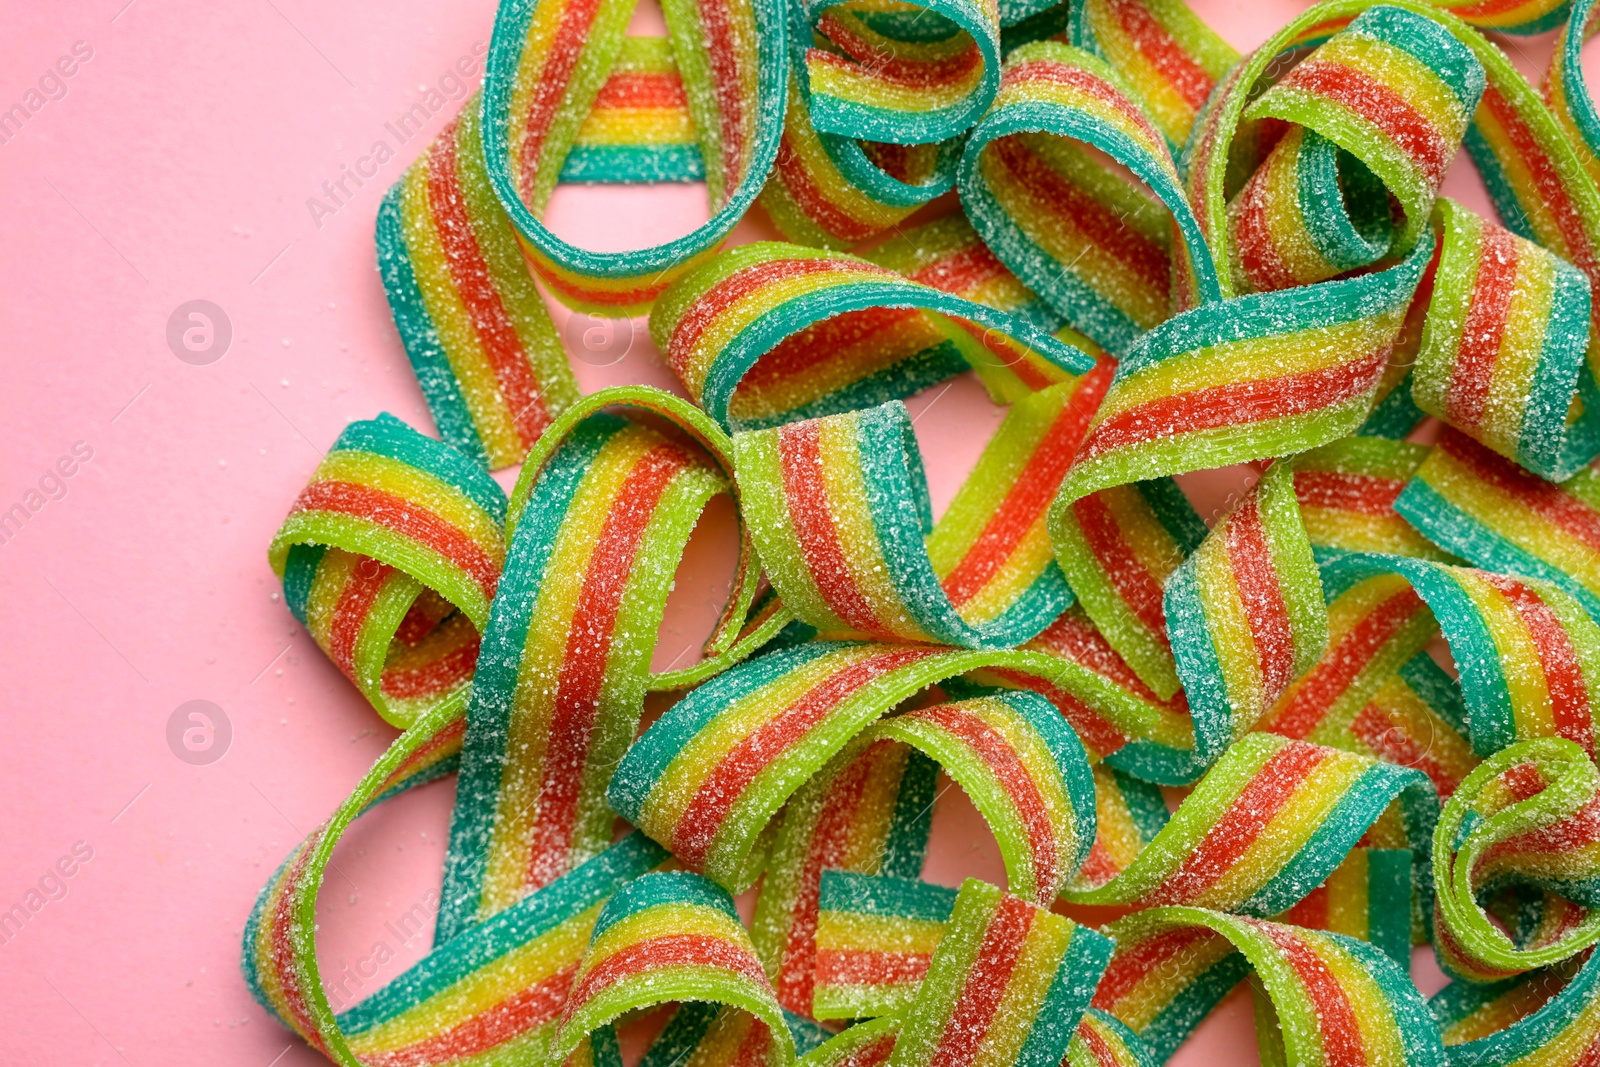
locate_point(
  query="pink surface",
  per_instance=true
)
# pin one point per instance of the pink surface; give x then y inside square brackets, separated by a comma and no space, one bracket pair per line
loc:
[177,166]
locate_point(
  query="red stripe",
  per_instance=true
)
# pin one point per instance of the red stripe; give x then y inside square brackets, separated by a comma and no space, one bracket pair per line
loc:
[474,283]
[1483,327]
[1268,792]
[1098,1046]
[1382,106]
[1074,637]
[1005,763]
[1312,911]
[1030,495]
[1187,77]
[985,984]
[361,588]
[550,88]
[406,518]
[1235,403]
[1069,206]
[824,348]
[1551,188]
[1550,502]
[704,814]
[583,667]
[655,953]
[1563,675]
[1250,558]
[646,89]
[1139,589]
[1095,731]
[796,179]
[1365,494]
[867,967]
[870,58]
[1132,963]
[723,52]
[962,271]
[443,673]
[1332,677]
[1390,740]
[1055,73]
[1337,1028]
[1252,232]
[524,1010]
[805,492]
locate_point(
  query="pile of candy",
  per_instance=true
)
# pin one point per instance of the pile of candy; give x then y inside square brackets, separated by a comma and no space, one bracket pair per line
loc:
[1169,258]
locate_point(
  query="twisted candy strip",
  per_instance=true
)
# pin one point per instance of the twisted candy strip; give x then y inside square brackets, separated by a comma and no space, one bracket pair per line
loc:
[1347,491]
[1100,1041]
[1007,985]
[1550,1019]
[1266,825]
[839,508]
[390,558]
[604,509]
[673,937]
[1103,253]
[1502,355]
[1530,816]
[875,937]
[1499,516]
[1528,654]
[1333,999]
[837,332]
[868,811]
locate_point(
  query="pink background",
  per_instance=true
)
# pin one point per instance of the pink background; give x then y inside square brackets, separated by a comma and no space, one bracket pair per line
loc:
[177,166]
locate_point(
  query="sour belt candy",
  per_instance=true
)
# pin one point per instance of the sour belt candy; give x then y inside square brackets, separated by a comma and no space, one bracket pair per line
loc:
[875,939]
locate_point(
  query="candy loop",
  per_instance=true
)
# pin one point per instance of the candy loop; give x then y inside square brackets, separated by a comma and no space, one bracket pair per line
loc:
[884,72]
[1554,1017]
[840,506]
[1332,999]
[546,63]
[716,323]
[390,558]
[1527,816]
[708,776]
[1104,253]
[673,937]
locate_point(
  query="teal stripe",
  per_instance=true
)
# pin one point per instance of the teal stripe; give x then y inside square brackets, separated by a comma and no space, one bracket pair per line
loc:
[634,164]
[901,898]
[299,571]
[664,889]
[388,436]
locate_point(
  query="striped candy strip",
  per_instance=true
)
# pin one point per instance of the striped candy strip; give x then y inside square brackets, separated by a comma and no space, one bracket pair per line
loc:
[1266,826]
[605,509]
[1528,654]
[807,332]
[390,557]
[1170,58]
[839,508]
[1566,87]
[1550,1018]
[1396,90]
[1245,614]
[1117,548]
[1103,1041]
[1509,16]
[868,811]
[476,330]
[639,128]
[708,776]
[1530,816]
[875,939]
[1347,490]
[887,72]
[1103,252]
[1502,354]
[673,937]
[1499,516]
[1416,719]
[1329,999]
[1310,212]
[1367,897]
[865,1044]
[1007,985]
[548,62]
[1129,813]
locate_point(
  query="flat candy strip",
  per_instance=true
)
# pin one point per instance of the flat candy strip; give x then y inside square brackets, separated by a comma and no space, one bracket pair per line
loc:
[1529,815]
[1367,897]
[1333,999]
[875,939]
[1502,354]
[839,508]
[709,775]
[1245,614]
[809,332]
[1007,985]
[674,937]
[868,811]
[391,556]
[548,60]
[1528,654]
[474,326]
[1347,491]
[1129,813]
[1501,517]
[640,128]
[1548,1019]
[1170,58]
[604,512]
[1102,251]
[1266,825]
